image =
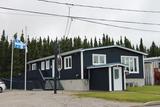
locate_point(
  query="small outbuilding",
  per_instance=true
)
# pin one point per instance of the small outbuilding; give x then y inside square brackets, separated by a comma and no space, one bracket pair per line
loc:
[108,77]
[152,71]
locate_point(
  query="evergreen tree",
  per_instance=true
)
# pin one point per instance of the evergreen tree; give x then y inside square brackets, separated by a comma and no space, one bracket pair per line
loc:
[141,46]
[121,41]
[127,43]
[153,51]
[95,42]
[99,43]
[103,40]
[91,43]
[77,43]
[85,43]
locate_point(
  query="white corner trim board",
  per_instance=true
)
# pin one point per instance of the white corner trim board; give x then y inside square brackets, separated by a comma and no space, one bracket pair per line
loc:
[82,71]
[110,79]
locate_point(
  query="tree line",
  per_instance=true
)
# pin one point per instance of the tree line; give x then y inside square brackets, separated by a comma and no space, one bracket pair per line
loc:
[42,47]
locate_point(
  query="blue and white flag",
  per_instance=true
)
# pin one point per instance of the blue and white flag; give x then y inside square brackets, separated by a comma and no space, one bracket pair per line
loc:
[19,44]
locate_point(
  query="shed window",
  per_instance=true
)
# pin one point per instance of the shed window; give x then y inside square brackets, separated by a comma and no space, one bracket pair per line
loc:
[131,62]
[47,64]
[98,59]
[43,65]
[34,66]
[68,62]
[116,75]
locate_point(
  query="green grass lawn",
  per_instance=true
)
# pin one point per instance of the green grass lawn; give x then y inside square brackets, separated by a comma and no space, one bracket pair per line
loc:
[132,94]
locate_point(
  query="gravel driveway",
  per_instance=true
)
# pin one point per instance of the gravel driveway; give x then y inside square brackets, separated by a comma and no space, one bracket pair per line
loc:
[18,98]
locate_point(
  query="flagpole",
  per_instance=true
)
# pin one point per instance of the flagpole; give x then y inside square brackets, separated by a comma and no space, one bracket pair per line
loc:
[25,77]
[11,65]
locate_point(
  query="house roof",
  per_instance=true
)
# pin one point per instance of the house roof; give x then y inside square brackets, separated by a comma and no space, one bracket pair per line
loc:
[115,46]
[152,59]
[106,65]
[52,56]
[88,49]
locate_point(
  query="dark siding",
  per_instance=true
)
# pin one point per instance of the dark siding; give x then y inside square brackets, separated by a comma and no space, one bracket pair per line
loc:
[99,79]
[123,78]
[112,79]
[113,55]
[75,72]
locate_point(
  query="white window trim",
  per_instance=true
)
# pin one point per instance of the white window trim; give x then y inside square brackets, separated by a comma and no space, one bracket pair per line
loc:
[34,66]
[65,66]
[137,64]
[42,65]
[104,55]
[47,64]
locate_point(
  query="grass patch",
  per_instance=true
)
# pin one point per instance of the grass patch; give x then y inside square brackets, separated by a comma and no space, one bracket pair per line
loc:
[133,94]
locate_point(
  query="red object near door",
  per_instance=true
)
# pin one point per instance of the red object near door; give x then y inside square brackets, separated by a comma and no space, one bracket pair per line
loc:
[156,76]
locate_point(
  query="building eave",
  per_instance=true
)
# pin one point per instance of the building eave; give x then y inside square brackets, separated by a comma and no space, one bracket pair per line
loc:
[106,65]
[52,56]
[115,46]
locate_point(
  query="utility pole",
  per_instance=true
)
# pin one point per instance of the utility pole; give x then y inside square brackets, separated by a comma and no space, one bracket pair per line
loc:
[11,78]
[25,77]
[55,74]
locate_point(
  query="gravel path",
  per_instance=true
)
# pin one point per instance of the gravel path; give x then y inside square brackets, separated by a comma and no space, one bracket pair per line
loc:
[48,99]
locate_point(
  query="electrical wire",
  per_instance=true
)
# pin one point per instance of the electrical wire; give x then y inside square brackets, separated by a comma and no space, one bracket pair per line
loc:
[99,7]
[124,27]
[67,21]
[78,18]
[69,28]
[98,19]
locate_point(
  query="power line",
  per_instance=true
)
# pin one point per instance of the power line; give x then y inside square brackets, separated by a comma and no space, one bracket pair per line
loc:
[67,22]
[99,7]
[73,17]
[98,19]
[124,27]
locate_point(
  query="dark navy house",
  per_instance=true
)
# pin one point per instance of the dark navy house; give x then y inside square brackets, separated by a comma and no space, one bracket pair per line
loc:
[107,68]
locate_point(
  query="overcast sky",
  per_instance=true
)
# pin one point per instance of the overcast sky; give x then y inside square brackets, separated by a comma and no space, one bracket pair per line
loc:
[39,25]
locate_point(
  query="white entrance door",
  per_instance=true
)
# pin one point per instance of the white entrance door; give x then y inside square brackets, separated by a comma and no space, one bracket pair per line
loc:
[53,68]
[117,78]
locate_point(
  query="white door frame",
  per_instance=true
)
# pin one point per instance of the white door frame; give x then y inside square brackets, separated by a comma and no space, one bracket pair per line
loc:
[117,79]
[53,68]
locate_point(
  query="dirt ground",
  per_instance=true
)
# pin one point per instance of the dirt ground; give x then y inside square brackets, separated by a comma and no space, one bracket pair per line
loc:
[19,98]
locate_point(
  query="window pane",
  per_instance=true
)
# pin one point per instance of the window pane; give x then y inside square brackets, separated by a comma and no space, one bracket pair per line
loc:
[131,64]
[70,62]
[47,64]
[42,66]
[66,62]
[116,75]
[102,59]
[135,64]
[123,60]
[127,63]
[34,66]
[95,59]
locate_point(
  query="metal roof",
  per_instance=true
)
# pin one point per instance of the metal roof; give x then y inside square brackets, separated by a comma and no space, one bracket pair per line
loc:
[106,65]
[52,56]
[82,50]
[113,46]
[152,59]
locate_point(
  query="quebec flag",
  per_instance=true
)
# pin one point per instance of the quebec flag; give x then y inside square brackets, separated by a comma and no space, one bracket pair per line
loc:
[19,44]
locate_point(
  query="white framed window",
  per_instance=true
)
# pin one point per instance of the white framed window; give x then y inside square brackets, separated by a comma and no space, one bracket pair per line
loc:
[68,62]
[34,66]
[47,64]
[98,59]
[43,65]
[132,63]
